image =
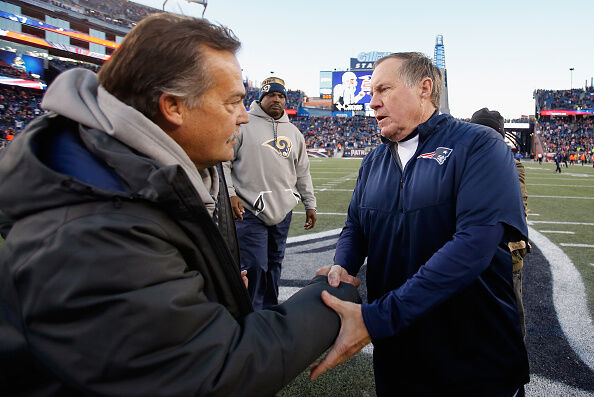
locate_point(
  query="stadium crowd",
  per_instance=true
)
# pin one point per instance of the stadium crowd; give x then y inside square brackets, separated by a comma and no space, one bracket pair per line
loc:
[575,99]
[118,12]
[567,137]
[63,65]
[334,133]
[18,106]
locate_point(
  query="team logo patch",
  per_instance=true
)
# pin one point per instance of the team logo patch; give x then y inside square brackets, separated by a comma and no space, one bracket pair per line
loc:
[266,88]
[440,155]
[282,146]
[260,204]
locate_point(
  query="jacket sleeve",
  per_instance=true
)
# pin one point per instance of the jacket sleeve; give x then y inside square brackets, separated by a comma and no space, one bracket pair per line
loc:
[110,308]
[351,248]
[304,182]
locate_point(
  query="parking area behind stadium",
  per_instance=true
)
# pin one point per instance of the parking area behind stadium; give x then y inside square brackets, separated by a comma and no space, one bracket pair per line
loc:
[558,313]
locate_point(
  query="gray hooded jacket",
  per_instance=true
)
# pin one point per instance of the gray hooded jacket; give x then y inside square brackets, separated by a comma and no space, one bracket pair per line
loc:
[270,177]
[116,281]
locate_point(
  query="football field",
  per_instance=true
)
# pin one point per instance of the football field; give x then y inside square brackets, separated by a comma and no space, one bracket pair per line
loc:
[558,277]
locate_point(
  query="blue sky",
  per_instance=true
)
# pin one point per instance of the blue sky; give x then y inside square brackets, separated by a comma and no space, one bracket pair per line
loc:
[496,53]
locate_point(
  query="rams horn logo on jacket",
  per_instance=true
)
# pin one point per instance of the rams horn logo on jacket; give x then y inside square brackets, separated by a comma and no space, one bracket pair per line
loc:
[282,145]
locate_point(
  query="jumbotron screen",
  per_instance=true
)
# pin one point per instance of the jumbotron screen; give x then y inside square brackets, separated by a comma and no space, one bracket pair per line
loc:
[350,91]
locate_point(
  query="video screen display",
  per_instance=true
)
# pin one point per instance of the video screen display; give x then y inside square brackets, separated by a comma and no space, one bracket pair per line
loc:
[23,63]
[350,91]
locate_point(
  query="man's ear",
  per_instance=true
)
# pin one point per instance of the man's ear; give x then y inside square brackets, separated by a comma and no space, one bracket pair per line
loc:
[426,88]
[172,109]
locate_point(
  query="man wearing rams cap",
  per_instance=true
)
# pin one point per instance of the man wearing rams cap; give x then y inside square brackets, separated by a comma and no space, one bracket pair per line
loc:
[268,176]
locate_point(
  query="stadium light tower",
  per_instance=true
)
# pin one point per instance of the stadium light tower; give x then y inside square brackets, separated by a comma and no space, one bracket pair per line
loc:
[571,78]
[439,61]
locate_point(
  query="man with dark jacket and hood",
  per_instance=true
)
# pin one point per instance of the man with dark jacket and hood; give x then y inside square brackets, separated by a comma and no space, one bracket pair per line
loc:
[120,274]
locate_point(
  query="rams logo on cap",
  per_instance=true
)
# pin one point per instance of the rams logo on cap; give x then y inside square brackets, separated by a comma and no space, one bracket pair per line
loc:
[271,80]
[282,146]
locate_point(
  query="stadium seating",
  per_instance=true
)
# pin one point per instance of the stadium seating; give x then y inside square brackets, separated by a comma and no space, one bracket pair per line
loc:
[18,106]
[575,99]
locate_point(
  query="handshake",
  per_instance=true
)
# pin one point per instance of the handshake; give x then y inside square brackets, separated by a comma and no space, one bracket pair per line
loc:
[353,335]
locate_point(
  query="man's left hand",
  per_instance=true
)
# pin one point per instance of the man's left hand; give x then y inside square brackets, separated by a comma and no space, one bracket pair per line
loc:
[352,337]
[310,219]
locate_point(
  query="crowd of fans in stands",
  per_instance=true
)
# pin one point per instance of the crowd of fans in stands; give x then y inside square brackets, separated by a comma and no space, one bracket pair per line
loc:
[567,136]
[575,99]
[64,65]
[338,133]
[118,12]
[18,106]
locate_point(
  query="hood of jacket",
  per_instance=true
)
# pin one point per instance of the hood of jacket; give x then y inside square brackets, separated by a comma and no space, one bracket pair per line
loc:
[77,95]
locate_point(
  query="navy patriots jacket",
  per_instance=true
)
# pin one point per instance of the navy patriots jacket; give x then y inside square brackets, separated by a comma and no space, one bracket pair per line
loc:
[441,311]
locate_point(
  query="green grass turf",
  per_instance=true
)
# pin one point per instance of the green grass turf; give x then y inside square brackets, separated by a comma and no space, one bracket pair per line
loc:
[577,181]
[574,181]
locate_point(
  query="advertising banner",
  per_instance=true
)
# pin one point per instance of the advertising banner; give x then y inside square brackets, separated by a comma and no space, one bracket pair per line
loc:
[354,153]
[582,112]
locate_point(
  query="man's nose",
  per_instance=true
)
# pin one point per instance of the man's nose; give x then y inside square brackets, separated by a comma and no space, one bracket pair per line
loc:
[243,116]
[375,103]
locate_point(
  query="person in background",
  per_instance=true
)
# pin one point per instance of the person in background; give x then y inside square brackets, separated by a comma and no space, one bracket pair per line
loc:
[266,178]
[519,249]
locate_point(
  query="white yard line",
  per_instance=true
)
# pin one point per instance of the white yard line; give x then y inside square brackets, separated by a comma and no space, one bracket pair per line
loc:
[562,223]
[550,184]
[576,245]
[313,236]
[561,197]
[323,213]
[556,231]
[323,189]
[569,298]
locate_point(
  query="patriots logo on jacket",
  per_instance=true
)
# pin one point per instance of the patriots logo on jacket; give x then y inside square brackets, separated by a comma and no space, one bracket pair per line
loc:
[282,146]
[440,155]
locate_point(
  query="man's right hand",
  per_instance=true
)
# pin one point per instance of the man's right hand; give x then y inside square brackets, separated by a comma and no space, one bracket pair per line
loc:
[336,274]
[237,208]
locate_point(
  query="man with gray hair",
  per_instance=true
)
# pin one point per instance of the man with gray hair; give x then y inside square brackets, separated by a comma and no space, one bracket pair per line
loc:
[120,273]
[432,211]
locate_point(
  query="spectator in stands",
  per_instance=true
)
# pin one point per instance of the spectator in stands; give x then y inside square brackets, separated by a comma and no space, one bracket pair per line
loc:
[327,132]
[18,107]
[120,274]
[267,176]
[441,310]
[574,99]
[565,134]
[518,249]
